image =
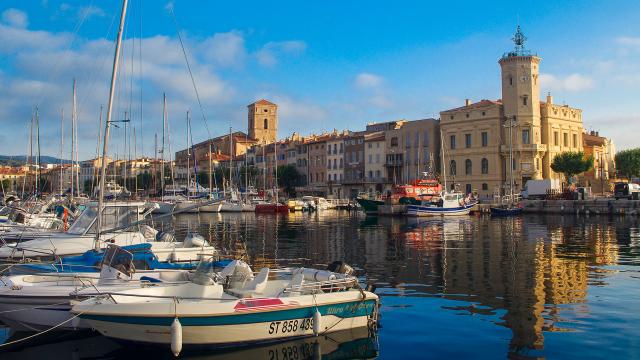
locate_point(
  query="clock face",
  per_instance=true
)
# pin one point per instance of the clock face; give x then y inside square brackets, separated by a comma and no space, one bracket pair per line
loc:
[523,78]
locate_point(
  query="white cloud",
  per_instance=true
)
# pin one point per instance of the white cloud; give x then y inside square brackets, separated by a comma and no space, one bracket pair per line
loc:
[269,54]
[368,81]
[572,82]
[633,42]
[87,12]
[225,49]
[15,18]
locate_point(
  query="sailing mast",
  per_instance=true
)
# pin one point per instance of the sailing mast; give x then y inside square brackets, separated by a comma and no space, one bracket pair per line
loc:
[164,122]
[275,164]
[74,141]
[105,143]
[188,157]
[61,148]
[38,148]
[444,164]
[230,159]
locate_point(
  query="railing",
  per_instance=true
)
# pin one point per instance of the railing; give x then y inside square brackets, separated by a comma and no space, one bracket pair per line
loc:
[322,286]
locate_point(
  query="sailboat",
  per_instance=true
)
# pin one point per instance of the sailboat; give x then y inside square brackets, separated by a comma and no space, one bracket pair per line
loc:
[509,207]
[188,205]
[274,206]
[214,207]
[233,202]
[449,204]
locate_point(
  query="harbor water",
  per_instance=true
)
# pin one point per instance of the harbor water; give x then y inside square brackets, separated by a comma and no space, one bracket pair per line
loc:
[530,287]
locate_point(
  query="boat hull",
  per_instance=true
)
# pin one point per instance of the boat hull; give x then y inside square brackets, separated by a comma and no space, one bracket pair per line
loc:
[497,211]
[212,208]
[419,210]
[370,206]
[271,208]
[228,330]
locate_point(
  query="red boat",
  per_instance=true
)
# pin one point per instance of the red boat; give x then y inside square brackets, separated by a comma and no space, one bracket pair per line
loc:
[421,189]
[272,208]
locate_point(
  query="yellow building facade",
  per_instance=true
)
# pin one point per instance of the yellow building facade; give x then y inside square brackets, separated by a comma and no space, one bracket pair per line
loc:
[480,138]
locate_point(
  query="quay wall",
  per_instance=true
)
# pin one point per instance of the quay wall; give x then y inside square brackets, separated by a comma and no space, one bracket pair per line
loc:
[604,206]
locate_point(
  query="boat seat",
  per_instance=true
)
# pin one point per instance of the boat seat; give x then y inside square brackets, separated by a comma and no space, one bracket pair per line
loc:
[255,286]
[295,285]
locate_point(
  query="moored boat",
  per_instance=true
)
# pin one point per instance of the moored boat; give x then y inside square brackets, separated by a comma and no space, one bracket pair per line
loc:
[234,307]
[370,206]
[449,204]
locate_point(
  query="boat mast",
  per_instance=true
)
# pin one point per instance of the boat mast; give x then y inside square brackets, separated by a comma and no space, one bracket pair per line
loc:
[38,148]
[188,159]
[95,169]
[74,136]
[61,148]
[511,125]
[444,164]
[275,164]
[210,182]
[164,121]
[105,142]
[230,159]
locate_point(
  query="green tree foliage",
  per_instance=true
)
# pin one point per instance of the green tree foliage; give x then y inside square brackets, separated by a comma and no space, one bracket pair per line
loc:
[6,185]
[571,163]
[628,162]
[288,178]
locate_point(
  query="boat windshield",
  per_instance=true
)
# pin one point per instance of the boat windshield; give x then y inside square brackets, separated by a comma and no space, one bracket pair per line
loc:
[112,217]
[119,259]
[84,221]
[204,273]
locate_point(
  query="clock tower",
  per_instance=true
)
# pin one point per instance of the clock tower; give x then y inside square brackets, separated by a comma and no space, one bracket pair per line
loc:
[520,83]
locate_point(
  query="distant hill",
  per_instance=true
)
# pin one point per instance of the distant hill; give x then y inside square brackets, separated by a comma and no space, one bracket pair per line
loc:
[20,159]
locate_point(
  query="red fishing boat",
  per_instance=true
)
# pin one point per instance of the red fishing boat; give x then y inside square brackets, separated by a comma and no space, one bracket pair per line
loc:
[420,189]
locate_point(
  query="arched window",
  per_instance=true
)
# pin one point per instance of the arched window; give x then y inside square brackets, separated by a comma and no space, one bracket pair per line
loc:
[485,166]
[452,166]
[266,123]
[467,167]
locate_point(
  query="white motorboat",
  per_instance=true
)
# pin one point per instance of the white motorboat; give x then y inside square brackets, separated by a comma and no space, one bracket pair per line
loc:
[211,208]
[234,307]
[450,204]
[81,236]
[112,190]
[164,207]
[187,206]
[231,206]
[42,301]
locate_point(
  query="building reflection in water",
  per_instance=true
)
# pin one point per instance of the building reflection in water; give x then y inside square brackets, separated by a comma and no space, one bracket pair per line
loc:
[532,274]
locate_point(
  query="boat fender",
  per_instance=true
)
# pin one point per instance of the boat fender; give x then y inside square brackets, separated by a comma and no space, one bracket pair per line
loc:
[176,337]
[317,322]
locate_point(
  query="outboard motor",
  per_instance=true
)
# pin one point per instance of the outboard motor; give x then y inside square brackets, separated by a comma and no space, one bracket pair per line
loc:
[340,267]
[165,236]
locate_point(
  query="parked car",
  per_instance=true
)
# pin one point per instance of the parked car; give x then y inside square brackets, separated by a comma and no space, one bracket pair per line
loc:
[626,191]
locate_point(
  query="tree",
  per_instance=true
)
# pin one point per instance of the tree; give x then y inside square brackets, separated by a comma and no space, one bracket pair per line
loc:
[628,162]
[571,163]
[288,177]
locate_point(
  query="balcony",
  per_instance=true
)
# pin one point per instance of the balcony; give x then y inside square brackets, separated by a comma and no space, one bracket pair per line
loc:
[504,149]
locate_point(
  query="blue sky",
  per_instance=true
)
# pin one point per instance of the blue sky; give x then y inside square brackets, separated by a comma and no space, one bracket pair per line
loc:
[327,64]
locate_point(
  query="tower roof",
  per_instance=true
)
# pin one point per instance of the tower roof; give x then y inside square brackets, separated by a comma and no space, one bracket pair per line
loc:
[519,50]
[262,102]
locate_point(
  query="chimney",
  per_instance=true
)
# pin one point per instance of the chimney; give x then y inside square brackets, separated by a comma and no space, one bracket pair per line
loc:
[467,102]
[549,99]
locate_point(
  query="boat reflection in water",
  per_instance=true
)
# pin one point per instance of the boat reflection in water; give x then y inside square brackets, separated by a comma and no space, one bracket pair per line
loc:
[475,287]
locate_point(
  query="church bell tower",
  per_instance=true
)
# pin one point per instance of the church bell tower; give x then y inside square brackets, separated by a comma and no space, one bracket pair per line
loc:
[263,121]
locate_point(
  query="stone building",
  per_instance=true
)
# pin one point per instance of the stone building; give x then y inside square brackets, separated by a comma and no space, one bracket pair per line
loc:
[335,163]
[353,164]
[374,162]
[263,121]
[476,135]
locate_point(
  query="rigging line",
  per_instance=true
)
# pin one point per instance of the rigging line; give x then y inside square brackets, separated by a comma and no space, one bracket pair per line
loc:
[141,78]
[193,81]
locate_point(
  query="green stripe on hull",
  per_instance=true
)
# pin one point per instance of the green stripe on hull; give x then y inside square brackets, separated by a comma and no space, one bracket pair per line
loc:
[370,206]
[345,310]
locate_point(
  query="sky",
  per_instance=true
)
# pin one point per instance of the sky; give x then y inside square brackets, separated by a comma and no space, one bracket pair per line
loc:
[332,64]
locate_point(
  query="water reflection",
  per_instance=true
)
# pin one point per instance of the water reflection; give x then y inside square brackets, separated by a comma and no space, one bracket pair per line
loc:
[527,287]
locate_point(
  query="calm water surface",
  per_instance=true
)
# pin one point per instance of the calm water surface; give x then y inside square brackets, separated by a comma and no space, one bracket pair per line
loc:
[476,287]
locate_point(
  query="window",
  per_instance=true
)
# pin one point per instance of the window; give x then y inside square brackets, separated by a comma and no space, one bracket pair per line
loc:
[452,166]
[452,141]
[485,186]
[341,148]
[565,138]
[575,140]
[394,141]
[485,139]
[335,163]
[417,138]
[265,110]
[510,80]
[370,158]
[370,145]
[377,174]
[525,137]
[425,138]
[340,163]
[555,138]
[329,150]
[485,166]
[468,188]
[524,100]
[266,123]
[370,174]
[467,167]
[467,140]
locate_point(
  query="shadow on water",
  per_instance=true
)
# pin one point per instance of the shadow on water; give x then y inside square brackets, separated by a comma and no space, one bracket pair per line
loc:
[524,288]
